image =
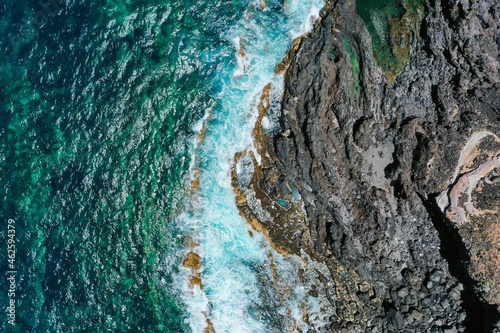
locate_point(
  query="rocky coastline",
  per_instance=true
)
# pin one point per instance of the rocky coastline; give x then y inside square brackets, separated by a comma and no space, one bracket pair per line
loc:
[386,167]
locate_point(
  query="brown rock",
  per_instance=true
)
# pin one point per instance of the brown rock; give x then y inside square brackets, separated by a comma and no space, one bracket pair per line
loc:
[193,260]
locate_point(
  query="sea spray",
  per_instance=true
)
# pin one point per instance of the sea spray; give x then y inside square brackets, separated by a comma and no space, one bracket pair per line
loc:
[242,279]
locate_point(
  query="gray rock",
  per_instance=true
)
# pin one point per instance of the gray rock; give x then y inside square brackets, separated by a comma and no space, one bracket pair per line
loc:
[402,293]
[370,147]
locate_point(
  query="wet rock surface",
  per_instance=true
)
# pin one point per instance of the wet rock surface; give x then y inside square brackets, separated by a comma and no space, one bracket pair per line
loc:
[389,178]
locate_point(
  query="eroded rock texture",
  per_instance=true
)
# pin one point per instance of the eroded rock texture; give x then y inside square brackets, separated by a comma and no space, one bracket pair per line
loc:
[395,167]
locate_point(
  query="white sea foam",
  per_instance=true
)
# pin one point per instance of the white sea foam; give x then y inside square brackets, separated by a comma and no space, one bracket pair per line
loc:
[236,273]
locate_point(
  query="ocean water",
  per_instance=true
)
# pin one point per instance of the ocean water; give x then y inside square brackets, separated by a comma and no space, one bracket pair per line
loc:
[101,106]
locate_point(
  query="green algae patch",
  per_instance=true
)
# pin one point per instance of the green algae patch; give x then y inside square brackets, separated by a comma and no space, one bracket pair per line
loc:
[392,25]
[353,58]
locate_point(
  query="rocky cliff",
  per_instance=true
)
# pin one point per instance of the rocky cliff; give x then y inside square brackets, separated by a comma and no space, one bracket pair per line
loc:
[386,168]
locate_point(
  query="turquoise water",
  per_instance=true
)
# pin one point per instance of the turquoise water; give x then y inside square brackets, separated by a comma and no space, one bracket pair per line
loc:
[99,113]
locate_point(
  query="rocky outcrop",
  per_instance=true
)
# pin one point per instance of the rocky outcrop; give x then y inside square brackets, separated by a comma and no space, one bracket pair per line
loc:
[387,165]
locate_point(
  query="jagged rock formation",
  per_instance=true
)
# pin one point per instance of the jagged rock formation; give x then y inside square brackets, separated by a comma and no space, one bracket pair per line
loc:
[387,167]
